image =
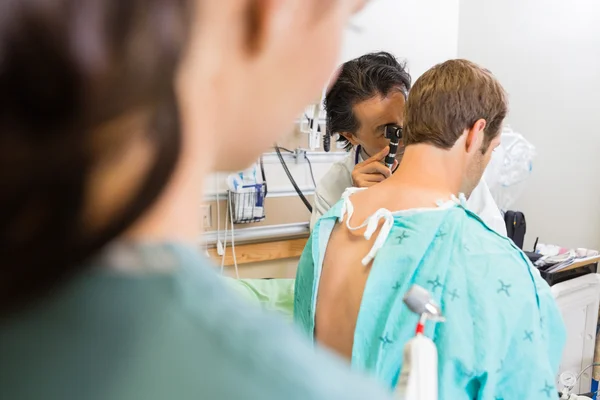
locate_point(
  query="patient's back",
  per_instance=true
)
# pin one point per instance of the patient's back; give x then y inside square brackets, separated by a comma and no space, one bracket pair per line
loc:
[340,291]
[503,337]
[343,276]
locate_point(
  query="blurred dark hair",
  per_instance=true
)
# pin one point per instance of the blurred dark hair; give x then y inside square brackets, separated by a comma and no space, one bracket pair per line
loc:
[70,70]
[359,80]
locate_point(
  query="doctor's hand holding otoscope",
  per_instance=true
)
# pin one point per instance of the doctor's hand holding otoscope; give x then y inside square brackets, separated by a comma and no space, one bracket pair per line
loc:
[380,166]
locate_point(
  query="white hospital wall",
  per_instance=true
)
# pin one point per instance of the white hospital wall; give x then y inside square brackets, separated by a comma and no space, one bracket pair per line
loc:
[547,55]
[422,32]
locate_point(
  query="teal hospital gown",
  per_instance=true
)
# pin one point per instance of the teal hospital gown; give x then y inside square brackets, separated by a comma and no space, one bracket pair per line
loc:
[503,337]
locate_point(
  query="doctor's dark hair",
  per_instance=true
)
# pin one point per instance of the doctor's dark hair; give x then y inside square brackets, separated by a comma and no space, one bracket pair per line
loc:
[361,79]
[80,81]
[450,98]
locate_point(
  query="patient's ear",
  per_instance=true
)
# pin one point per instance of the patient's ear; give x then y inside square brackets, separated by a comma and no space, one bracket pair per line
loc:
[349,137]
[475,136]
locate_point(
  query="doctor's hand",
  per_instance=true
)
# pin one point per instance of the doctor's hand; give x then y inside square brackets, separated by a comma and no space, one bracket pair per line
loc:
[372,170]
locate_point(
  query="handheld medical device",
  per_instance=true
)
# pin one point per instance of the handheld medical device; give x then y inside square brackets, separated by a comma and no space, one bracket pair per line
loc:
[418,378]
[394,133]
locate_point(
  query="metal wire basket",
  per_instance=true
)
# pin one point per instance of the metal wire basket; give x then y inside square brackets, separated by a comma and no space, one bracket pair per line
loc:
[249,206]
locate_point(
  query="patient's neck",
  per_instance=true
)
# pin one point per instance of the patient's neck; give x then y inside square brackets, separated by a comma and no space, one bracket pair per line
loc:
[425,167]
[426,175]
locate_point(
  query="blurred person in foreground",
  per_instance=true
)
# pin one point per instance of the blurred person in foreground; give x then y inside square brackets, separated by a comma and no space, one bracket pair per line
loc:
[112,113]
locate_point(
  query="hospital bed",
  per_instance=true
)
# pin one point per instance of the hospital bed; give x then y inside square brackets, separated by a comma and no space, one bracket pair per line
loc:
[272,294]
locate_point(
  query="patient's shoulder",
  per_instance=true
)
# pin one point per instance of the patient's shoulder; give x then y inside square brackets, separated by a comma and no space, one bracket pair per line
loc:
[484,237]
[494,261]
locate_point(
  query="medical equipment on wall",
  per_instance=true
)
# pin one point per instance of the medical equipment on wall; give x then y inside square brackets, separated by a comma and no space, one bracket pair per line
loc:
[311,124]
[570,396]
[578,300]
[246,194]
[418,378]
[394,133]
[314,141]
[327,142]
[222,245]
[291,178]
[568,380]
[509,168]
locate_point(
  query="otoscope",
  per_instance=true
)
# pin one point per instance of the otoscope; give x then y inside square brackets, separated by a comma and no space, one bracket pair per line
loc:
[394,133]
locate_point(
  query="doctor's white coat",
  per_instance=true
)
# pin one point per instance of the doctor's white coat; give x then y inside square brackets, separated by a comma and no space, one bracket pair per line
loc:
[330,189]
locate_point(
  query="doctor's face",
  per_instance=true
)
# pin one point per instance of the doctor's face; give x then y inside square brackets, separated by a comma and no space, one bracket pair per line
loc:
[373,115]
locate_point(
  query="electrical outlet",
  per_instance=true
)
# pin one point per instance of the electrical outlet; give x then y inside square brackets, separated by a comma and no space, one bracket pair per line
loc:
[206,215]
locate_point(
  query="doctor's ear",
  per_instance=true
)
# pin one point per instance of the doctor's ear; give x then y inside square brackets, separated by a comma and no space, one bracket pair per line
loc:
[349,137]
[475,136]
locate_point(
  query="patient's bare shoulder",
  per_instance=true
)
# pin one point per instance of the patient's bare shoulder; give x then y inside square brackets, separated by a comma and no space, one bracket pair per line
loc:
[341,285]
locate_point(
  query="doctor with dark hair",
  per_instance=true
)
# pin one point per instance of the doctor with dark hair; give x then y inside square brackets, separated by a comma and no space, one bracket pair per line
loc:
[369,94]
